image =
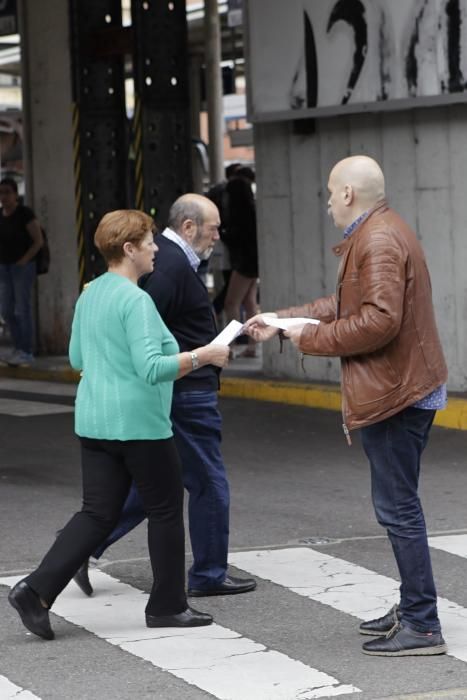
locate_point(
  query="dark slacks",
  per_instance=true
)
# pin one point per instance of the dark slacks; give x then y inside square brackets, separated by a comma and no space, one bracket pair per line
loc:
[108,467]
[197,426]
[394,447]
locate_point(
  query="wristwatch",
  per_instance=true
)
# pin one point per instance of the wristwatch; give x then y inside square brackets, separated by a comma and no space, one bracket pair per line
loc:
[194,360]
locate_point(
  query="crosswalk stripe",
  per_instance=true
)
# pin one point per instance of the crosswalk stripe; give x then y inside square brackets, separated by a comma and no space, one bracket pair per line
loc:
[10,691]
[213,658]
[346,587]
[22,409]
[453,544]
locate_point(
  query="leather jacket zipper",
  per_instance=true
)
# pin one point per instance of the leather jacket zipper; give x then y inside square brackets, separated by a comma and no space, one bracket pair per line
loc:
[347,434]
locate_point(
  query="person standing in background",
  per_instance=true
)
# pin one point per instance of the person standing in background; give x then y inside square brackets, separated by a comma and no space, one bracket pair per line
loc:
[20,240]
[241,241]
[220,259]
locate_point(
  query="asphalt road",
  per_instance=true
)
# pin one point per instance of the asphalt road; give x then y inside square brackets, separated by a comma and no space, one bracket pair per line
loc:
[295,486]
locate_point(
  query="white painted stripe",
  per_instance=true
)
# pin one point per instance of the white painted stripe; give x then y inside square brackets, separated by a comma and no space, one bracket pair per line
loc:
[22,409]
[453,544]
[345,587]
[34,386]
[213,658]
[10,691]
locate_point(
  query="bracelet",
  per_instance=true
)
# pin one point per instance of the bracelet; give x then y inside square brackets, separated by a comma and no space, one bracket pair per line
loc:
[194,360]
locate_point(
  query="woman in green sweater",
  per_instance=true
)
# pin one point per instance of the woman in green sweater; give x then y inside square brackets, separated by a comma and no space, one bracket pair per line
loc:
[129,361]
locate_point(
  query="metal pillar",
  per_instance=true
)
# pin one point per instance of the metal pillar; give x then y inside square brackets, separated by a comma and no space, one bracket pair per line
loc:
[48,160]
[196,62]
[214,90]
[162,124]
[99,134]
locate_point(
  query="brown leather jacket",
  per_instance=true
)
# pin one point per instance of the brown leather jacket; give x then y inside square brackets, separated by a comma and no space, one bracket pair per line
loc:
[380,322]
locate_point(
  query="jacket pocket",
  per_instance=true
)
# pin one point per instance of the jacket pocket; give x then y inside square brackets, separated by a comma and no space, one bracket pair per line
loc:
[349,296]
[370,378]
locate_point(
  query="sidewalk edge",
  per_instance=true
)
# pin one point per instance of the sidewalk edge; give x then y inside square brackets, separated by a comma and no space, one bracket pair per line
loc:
[323,396]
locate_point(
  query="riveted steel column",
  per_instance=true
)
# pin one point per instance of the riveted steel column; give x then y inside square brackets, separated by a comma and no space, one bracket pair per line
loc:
[100,150]
[162,124]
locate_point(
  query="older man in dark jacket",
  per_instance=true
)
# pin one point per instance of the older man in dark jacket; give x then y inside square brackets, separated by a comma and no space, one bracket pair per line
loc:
[381,324]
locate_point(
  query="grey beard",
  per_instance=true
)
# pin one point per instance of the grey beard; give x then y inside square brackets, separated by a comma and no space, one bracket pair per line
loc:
[205,255]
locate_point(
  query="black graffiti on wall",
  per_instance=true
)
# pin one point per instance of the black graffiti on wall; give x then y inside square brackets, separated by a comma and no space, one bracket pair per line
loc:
[353,13]
[454,18]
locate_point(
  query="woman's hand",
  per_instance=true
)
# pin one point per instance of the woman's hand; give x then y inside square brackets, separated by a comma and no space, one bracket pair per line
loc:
[217,355]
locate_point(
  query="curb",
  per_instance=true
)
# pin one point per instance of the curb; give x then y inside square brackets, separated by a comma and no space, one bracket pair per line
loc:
[324,396]
[64,375]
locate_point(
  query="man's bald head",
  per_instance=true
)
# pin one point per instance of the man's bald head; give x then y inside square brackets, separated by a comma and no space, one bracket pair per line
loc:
[196,219]
[356,184]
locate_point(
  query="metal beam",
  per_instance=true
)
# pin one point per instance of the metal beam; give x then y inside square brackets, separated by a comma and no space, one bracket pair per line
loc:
[214,90]
[99,123]
[162,120]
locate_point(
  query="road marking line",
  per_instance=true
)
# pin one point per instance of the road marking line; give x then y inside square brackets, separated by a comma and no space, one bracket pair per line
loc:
[218,660]
[453,544]
[432,695]
[37,387]
[23,409]
[345,587]
[10,691]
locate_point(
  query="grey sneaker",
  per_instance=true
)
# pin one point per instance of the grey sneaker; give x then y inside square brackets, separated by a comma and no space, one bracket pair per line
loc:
[20,359]
[5,357]
[382,625]
[404,641]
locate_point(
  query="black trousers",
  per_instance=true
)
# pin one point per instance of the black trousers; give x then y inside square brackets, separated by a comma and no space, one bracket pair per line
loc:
[108,467]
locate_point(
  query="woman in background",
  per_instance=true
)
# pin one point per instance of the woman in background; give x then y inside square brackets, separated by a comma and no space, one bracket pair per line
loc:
[242,290]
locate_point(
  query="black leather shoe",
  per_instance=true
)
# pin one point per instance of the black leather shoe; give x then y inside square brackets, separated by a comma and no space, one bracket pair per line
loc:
[81,578]
[404,641]
[31,611]
[187,618]
[229,586]
[382,625]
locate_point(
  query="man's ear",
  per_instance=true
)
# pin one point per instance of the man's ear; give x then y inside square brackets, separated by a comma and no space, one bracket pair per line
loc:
[188,230]
[348,195]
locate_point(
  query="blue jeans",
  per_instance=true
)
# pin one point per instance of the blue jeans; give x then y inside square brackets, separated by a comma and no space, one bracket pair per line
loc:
[16,282]
[197,426]
[394,447]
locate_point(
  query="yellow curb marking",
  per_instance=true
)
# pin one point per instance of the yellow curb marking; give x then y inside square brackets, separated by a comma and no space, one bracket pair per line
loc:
[310,395]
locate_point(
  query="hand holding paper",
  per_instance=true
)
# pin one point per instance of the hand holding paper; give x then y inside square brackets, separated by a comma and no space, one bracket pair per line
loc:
[230,332]
[265,326]
[286,323]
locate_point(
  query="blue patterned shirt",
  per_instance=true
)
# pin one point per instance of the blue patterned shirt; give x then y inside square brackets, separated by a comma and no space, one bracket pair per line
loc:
[438,398]
[434,401]
[351,228]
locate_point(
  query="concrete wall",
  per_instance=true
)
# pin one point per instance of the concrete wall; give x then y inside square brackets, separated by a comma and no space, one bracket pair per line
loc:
[47,101]
[424,156]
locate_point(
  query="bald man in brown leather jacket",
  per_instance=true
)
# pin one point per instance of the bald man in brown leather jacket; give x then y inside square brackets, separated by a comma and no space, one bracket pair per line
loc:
[381,324]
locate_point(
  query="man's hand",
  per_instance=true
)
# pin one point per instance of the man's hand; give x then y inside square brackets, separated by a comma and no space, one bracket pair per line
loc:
[258,330]
[294,333]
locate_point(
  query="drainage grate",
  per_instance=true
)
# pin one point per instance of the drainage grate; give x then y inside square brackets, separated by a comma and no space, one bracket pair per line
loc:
[317,540]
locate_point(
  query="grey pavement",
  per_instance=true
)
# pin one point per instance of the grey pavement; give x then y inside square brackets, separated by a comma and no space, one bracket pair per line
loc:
[294,482]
